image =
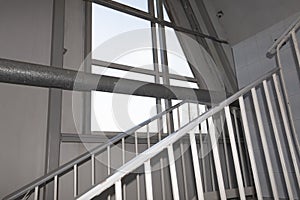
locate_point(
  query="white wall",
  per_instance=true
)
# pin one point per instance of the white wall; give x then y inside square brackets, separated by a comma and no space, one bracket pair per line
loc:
[251,63]
[25,35]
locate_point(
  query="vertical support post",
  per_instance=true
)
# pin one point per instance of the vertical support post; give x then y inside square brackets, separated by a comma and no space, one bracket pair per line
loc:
[250,149]
[157,80]
[288,134]
[164,62]
[264,144]
[148,180]
[86,121]
[174,180]
[277,140]
[118,190]
[235,155]
[216,156]
[55,95]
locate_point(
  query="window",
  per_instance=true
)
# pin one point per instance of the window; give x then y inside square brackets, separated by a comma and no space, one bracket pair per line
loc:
[117,38]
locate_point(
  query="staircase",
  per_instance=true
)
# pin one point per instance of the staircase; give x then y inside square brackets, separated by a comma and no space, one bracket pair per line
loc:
[223,160]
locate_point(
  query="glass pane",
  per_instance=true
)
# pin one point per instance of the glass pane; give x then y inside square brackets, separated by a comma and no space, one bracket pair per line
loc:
[122,74]
[119,112]
[176,58]
[138,4]
[120,38]
[166,16]
[181,83]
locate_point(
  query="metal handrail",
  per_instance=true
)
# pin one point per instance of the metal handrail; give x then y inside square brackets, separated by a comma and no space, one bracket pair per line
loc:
[285,35]
[86,156]
[172,138]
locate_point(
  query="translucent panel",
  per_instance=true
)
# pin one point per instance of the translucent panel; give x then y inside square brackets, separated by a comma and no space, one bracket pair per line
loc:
[204,128]
[186,84]
[166,16]
[138,4]
[176,58]
[119,112]
[141,58]
[122,74]
[121,38]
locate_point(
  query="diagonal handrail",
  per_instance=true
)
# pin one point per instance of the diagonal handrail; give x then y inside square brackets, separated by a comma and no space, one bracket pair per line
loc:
[172,138]
[86,156]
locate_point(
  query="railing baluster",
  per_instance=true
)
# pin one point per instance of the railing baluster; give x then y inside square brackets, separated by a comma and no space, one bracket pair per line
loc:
[178,118]
[161,162]
[226,154]
[118,190]
[184,167]
[287,130]
[277,140]
[235,155]
[264,144]
[148,136]
[137,176]
[123,162]
[36,193]
[174,180]
[216,156]
[212,173]
[108,166]
[201,152]
[55,193]
[250,148]
[93,169]
[75,180]
[196,166]
[148,180]
[203,163]
[239,142]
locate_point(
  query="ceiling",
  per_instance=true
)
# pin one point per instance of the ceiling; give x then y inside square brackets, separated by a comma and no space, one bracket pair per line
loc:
[244,18]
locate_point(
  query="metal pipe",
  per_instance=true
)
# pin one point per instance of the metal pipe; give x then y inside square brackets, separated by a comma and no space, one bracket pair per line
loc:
[16,72]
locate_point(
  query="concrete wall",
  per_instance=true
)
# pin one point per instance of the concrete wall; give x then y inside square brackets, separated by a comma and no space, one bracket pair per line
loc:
[25,35]
[251,63]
